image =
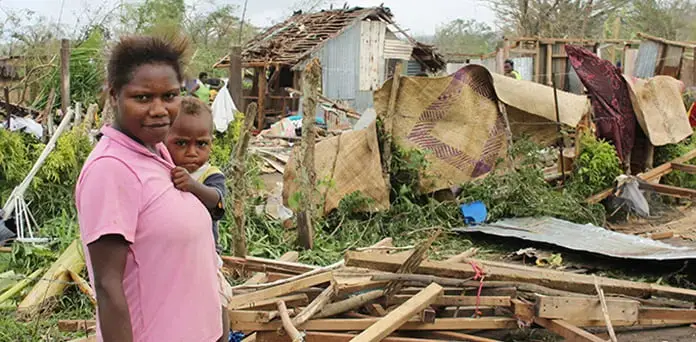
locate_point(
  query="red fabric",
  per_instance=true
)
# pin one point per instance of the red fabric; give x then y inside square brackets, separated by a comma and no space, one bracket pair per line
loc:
[611,102]
[692,115]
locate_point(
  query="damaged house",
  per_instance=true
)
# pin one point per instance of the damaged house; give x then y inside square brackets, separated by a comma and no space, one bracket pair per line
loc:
[358,49]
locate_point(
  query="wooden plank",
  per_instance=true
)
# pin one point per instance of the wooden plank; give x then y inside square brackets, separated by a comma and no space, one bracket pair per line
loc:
[574,308]
[261,110]
[352,324]
[349,304]
[459,300]
[376,310]
[254,316]
[75,325]
[663,314]
[669,190]
[496,271]
[314,336]
[294,300]
[255,264]
[392,321]
[523,311]
[261,277]
[569,332]
[457,336]
[279,290]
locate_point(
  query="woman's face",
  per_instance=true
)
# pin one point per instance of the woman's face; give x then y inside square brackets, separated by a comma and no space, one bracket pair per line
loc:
[148,104]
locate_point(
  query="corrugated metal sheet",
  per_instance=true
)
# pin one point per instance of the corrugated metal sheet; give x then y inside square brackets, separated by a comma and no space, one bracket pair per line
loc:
[413,68]
[396,49]
[586,238]
[646,60]
[672,61]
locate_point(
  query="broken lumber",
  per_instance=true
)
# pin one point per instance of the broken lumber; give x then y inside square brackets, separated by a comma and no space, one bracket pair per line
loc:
[411,264]
[315,336]
[459,300]
[678,315]
[294,300]
[568,331]
[262,277]
[392,321]
[502,272]
[84,287]
[315,306]
[271,292]
[605,310]
[426,279]
[256,264]
[668,190]
[451,335]
[349,304]
[18,287]
[414,324]
[55,279]
[574,308]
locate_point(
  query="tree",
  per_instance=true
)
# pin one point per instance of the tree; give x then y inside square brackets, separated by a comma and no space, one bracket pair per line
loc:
[554,18]
[670,19]
[465,36]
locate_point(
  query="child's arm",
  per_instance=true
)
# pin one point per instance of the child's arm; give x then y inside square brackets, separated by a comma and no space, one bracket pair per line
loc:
[209,195]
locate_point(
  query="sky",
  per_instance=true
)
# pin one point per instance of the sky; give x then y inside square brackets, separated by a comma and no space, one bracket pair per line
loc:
[417,17]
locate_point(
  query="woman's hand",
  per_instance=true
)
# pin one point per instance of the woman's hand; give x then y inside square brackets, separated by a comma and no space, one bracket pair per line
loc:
[108,256]
[182,180]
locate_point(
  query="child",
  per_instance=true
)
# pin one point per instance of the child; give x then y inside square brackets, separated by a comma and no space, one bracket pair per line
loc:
[189,142]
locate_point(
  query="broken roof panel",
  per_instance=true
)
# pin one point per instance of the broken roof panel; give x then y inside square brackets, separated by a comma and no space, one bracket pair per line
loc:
[302,34]
[585,238]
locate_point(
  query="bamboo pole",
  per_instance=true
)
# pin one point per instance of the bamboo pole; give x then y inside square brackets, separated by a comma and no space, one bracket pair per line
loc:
[310,83]
[17,288]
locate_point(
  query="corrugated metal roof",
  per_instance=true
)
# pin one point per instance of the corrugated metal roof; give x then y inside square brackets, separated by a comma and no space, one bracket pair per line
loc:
[586,238]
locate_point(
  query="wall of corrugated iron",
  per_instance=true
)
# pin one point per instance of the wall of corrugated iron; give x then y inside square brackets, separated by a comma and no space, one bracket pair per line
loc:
[646,60]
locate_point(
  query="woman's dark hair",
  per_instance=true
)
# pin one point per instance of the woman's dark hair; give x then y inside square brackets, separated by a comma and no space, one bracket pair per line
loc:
[133,51]
[509,61]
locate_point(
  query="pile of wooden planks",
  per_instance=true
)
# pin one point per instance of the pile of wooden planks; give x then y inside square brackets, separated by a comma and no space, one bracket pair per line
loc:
[457,299]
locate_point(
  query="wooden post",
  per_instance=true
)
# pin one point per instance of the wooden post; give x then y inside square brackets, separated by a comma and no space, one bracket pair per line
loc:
[310,84]
[239,247]
[261,115]
[549,64]
[537,62]
[64,75]
[388,125]
[234,85]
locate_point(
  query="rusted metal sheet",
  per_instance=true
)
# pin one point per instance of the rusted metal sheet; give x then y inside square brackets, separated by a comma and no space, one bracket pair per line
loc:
[671,62]
[585,238]
[646,61]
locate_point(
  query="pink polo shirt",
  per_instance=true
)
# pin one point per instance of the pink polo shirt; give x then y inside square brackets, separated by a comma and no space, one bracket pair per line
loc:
[170,275]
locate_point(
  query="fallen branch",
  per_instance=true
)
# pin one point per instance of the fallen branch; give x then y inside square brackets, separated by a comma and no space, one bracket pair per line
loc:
[349,304]
[294,334]
[315,306]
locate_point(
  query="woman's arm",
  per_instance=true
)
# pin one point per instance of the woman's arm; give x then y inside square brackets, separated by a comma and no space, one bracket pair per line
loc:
[108,256]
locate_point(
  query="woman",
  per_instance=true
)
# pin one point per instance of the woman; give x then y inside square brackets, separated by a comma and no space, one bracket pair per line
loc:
[149,249]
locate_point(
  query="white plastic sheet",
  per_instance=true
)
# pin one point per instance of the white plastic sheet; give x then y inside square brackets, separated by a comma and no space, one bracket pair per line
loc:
[223,109]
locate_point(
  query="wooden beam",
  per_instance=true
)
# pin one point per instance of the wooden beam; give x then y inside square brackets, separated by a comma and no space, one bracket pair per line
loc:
[459,300]
[523,311]
[314,336]
[261,110]
[349,304]
[279,290]
[576,308]
[389,123]
[256,264]
[234,85]
[392,321]
[351,324]
[679,315]
[261,277]
[294,300]
[569,332]
[311,79]
[496,271]
[684,168]
[64,75]
[457,336]
[254,316]
[668,190]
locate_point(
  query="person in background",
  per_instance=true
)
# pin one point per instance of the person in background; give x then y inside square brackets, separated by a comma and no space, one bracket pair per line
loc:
[149,258]
[509,69]
[202,90]
[189,143]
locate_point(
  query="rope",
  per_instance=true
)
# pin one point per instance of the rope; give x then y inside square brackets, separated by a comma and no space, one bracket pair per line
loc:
[478,275]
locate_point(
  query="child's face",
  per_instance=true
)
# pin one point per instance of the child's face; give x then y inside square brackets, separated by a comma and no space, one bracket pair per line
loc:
[189,141]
